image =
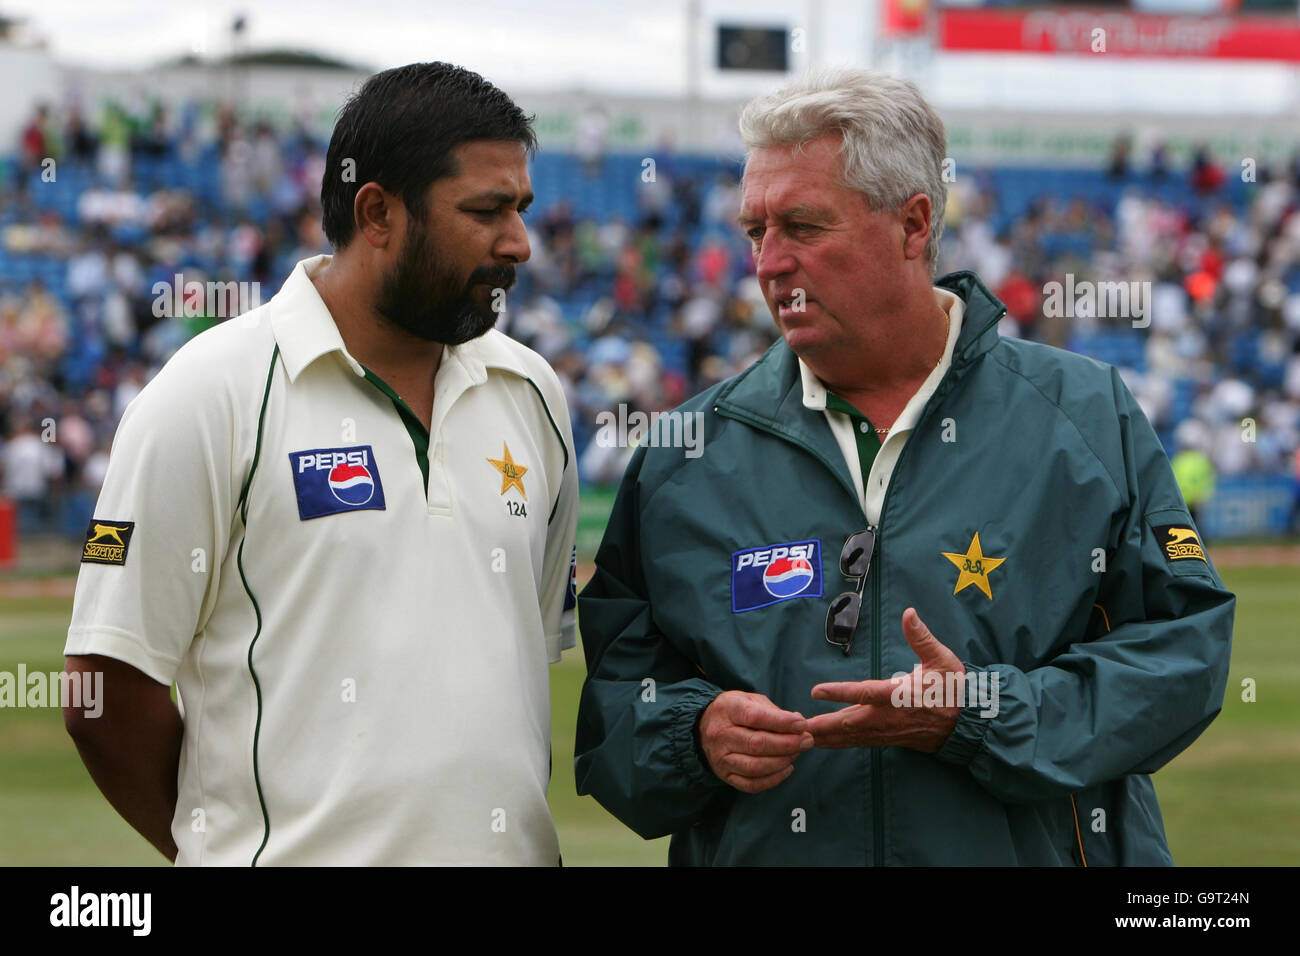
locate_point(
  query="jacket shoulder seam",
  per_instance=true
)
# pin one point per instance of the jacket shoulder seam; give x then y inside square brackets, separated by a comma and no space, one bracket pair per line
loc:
[1064,414]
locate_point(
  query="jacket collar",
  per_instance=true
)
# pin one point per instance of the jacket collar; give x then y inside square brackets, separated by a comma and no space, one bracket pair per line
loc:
[983,312]
[769,394]
[304,330]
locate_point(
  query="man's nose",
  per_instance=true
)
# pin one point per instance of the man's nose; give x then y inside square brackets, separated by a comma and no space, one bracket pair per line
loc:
[513,244]
[772,258]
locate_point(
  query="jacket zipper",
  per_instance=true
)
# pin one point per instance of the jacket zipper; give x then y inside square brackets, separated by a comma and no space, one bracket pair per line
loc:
[877,642]
[877,563]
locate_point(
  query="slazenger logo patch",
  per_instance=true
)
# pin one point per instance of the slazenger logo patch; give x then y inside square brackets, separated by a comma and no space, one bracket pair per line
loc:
[1179,543]
[107,541]
[328,481]
[774,573]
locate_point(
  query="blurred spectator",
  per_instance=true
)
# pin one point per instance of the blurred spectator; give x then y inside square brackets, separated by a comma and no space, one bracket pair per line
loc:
[1118,165]
[31,468]
[722,202]
[1207,175]
[36,140]
[1022,298]
[114,160]
[593,128]
[82,142]
[1194,473]
[1159,162]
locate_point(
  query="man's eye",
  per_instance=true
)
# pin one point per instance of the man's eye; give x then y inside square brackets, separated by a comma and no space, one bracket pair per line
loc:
[802,227]
[756,233]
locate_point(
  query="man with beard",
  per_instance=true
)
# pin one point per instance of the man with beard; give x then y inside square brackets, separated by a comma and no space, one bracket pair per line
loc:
[342,524]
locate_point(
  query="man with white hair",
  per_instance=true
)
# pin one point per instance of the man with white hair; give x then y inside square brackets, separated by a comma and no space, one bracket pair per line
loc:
[1021,621]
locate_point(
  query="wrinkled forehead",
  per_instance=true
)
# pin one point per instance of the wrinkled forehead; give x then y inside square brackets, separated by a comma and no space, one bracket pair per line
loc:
[780,178]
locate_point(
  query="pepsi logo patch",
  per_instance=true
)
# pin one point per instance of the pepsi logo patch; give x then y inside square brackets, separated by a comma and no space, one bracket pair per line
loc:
[776,572]
[329,481]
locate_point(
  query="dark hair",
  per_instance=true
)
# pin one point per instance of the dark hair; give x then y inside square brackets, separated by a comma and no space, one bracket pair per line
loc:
[400,129]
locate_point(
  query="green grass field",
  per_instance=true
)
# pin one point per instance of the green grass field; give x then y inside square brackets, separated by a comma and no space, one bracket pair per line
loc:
[1229,799]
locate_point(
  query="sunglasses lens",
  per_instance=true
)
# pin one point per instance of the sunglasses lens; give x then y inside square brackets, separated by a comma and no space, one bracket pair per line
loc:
[855,559]
[842,619]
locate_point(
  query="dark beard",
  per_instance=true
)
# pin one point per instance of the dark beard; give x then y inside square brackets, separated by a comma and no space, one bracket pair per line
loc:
[424,298]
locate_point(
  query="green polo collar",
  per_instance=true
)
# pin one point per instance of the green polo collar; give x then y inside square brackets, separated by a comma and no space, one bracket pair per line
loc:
[414,427]
[867,440]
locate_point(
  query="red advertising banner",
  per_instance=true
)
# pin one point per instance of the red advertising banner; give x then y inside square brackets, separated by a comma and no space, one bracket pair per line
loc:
[1123,34]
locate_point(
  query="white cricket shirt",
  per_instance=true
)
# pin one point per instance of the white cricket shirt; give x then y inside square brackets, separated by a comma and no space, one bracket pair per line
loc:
[361,659]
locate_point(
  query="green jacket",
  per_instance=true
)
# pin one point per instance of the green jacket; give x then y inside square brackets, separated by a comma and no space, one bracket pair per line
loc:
[1109,635]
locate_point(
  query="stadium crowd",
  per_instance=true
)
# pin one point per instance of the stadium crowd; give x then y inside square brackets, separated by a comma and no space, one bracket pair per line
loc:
[640,289]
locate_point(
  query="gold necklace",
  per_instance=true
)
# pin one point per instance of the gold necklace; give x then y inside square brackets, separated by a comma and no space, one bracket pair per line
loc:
[947,321]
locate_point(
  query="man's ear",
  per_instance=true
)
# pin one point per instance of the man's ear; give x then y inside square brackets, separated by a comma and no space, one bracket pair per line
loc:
[379,215]
[915,214]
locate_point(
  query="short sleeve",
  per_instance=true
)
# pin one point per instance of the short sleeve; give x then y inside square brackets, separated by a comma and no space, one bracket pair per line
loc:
[152,555]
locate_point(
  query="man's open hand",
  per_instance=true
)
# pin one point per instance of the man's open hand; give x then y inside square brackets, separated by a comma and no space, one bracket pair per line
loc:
[751,743]
[874,721]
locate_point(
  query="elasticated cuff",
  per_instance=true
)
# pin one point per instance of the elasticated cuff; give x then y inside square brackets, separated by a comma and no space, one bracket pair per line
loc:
[683,718]
[966,742]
